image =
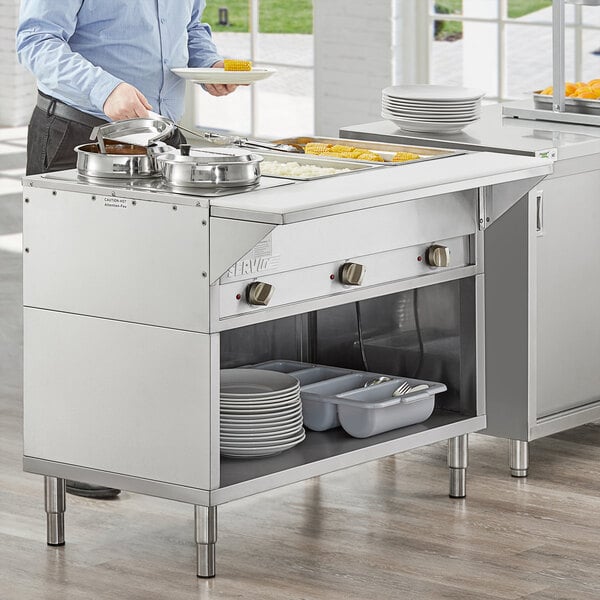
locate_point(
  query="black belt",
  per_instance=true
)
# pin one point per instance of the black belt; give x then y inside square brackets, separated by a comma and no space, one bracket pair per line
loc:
[52,106]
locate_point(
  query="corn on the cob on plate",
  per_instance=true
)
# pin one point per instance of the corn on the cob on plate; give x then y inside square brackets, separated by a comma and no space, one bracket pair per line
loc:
[230,64]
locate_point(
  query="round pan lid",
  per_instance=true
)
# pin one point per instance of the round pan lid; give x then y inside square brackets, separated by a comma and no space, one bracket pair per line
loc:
[210,156]
[140,132]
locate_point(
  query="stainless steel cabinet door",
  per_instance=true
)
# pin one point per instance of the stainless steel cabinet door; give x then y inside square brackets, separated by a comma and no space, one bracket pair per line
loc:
[568,292]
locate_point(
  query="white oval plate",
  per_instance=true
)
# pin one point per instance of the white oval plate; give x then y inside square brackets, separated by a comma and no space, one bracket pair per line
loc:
[281,436]
[242,428]
[219,75]
[252,433]
[432,113]
[259,410]
[429,127]
[258,452]
[389,115]
[260,445]
[422,104]
[234,410]
[433,93]
[429,118]
[249,383]
[229,419]
[267,400]
[428,110]
[257,395]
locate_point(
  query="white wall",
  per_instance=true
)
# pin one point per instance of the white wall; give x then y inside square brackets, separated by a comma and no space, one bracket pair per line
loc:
[361,47]
[18,90]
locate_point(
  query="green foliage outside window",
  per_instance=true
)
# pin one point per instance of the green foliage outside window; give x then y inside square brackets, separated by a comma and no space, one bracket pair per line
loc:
[451,30]
[275,16]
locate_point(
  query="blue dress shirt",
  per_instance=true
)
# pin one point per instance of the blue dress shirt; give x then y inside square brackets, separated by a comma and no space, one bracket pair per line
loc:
[80,50]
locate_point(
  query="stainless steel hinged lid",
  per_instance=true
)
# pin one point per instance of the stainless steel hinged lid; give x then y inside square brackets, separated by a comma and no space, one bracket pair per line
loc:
[139,132]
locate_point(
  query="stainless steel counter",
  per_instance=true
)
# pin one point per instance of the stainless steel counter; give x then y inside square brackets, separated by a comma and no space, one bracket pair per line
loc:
[306,200]
[493,133]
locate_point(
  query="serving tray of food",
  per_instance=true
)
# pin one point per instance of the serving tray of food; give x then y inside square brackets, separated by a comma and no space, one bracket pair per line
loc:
[585,106]
[581,97]
[304,167]
[378,153]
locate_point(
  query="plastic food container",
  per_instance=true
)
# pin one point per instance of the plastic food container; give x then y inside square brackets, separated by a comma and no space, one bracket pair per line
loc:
[332,397]
[319,400]
[367,412]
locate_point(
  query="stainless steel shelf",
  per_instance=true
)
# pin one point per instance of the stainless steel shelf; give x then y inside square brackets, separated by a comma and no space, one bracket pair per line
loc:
[324,452]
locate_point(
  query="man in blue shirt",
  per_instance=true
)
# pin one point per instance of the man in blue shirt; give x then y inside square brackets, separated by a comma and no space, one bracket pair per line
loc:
[107,60]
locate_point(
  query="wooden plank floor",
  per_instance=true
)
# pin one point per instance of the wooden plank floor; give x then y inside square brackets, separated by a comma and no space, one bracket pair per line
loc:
[382,530]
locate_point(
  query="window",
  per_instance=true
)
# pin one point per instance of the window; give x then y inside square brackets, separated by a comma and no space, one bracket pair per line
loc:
[505,46]
[271,33]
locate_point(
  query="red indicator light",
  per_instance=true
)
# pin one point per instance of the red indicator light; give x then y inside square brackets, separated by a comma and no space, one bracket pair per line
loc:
[419,258]
[332,277]
[238,296]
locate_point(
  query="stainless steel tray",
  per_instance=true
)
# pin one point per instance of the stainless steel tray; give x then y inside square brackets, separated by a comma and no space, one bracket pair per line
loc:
[583,106]
[386,151]
[309,159]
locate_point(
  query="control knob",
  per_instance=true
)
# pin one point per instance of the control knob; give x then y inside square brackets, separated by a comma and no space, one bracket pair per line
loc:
[259,293]
[438,256]
[352,273]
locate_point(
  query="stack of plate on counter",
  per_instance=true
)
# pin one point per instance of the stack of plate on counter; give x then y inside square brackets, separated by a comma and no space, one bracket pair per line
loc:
[434,108]
[261,413]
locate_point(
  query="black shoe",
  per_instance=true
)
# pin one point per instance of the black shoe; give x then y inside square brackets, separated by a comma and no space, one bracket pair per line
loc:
[87,490]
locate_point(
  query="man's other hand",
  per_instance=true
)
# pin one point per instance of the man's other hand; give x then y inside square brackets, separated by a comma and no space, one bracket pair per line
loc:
[126,102]
[219,89]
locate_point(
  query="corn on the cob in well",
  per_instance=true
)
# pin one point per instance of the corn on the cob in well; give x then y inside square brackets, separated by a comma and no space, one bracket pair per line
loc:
[342,148]
[316,148]
[403,156]
[372,156]
[341,151]
[230,64]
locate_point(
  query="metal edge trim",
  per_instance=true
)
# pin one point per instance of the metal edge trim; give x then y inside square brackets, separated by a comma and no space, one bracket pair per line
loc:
[567,419]
[137,485]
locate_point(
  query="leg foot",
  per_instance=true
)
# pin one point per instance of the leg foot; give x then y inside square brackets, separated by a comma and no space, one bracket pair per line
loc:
[87,490]
[518,458]
[206,539]
[54,495]
[457,462]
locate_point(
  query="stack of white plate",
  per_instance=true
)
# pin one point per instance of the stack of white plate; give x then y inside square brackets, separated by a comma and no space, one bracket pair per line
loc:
[441,108]
[261,413]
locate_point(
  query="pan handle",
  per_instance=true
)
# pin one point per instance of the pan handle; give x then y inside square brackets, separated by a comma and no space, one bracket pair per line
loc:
[210,136]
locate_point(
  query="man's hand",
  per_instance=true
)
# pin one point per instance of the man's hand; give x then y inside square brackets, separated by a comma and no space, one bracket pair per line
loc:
[219,89]
[126,102]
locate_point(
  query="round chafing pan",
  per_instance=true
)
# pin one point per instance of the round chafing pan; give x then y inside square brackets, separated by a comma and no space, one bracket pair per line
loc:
[120,161]
[207,168]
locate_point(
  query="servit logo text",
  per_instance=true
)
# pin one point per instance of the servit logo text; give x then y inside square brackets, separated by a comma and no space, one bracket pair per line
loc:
[251,266]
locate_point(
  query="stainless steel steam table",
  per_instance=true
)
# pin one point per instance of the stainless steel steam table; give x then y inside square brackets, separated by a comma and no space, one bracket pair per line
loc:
[542,278]
[134,298]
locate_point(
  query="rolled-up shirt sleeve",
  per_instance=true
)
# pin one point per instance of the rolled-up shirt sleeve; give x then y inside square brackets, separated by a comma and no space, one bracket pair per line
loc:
[202,50]
[45,27]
